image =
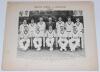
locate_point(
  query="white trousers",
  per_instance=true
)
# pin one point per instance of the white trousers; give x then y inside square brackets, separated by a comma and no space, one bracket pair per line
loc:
[73,43]
[37,43]
[24,44]
[63,43]
[56,41]
[49,43]
[43,41]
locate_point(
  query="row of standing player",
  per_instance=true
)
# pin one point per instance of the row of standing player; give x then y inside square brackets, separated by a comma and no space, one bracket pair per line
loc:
[65,33]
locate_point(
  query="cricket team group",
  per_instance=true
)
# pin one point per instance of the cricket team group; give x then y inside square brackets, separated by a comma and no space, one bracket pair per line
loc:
[45,34]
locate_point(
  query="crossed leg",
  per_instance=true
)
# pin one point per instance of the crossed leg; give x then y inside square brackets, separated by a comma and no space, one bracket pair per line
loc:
[49,43]
[37,43]
[24,44]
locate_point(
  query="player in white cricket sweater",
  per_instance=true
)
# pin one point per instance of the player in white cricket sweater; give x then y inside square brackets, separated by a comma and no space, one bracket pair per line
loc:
[69,27]
[59,23]
[42,27]
[75,40]
[37,40]
[24,40]
[79,26]
[32,27]
[62,38]
[50,34]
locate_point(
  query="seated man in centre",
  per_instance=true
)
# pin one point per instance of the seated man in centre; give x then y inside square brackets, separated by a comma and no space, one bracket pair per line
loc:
[50,34]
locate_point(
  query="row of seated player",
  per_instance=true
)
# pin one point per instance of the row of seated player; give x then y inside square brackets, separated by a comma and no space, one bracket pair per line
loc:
[51,33]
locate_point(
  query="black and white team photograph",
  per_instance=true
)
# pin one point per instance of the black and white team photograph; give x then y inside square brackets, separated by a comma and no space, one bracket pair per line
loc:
[46,33]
